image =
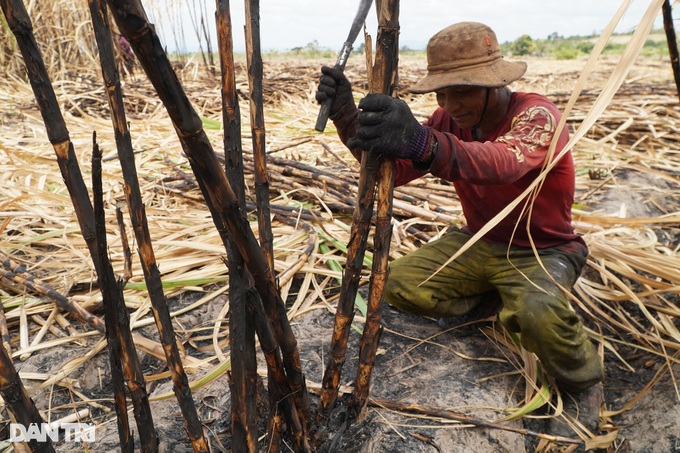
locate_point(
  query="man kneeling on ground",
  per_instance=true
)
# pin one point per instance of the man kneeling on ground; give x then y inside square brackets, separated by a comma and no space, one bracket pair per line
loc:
[491,143]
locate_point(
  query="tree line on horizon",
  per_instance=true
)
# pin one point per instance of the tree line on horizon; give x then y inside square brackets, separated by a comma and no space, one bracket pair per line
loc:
[553,46]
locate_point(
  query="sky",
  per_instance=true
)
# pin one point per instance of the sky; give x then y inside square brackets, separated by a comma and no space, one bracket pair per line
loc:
[286,24]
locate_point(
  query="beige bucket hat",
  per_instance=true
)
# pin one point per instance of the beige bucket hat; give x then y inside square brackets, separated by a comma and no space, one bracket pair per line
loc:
[467,53]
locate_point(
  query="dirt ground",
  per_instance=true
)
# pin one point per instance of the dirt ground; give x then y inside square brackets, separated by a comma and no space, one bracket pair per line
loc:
[466,370]
[462,370]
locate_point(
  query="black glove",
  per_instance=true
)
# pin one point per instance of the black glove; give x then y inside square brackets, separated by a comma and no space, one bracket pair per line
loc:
[387,126]
[334,84]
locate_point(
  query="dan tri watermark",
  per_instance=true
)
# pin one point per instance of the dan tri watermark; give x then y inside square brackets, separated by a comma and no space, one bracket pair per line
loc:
[72,432]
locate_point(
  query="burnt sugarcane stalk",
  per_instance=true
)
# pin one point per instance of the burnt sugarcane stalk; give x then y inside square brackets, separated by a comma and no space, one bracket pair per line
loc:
[7,374]
[16,273]
[255,80]
[278,383]
[57,132]
[361,223]
[384,77]
[255,75]
[107,288]
[140,226]
[379,272]
[384,81]
[18,402]
[667,11]
[127,254]
[218,193]
[117,323]
[241,338]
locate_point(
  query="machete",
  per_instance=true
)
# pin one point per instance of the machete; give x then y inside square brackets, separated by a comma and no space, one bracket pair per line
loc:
[359,19]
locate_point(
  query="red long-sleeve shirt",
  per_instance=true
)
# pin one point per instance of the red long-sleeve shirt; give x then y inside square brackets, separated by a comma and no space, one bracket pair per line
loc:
[489,174]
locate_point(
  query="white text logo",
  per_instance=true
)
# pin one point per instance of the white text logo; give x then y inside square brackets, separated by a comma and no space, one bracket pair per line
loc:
[73,432]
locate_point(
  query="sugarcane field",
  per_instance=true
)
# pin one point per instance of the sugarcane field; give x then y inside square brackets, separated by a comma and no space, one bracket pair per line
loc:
[193,259]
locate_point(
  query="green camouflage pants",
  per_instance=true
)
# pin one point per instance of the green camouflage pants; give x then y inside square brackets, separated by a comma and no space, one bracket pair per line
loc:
[533,305]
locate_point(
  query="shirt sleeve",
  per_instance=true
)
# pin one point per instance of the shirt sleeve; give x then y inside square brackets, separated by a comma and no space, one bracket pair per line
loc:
[512,155]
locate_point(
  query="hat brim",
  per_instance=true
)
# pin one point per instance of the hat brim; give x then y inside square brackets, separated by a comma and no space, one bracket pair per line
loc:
[499,73]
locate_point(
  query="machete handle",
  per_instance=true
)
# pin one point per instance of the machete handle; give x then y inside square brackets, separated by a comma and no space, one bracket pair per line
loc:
[324,111]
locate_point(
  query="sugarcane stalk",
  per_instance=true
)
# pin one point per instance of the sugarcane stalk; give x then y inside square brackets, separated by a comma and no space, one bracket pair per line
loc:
[242,350]
[255,80]
[356,248]
[255,76]
[667,11]
[16,273]
[140,226]
[57,132]
[219,195]
[379,272]
[122,352]
[384,81]
[18,402]
[279,386]
[19,446]
[125,245]
[275,426]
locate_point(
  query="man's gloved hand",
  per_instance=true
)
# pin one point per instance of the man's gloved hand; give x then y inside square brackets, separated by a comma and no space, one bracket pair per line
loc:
[333,84]
[387,126]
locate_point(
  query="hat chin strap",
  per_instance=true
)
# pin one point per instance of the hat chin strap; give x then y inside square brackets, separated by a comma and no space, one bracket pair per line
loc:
[475,128]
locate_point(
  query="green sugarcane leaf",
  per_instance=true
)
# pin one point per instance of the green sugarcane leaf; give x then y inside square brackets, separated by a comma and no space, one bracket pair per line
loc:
[368,257]
[141,286]
[51,234]
[212,125]
[541,398]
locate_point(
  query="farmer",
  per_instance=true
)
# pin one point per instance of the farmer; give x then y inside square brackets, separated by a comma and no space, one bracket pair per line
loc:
[491,143]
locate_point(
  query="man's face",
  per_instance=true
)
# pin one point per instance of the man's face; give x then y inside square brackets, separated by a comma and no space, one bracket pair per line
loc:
[464,103]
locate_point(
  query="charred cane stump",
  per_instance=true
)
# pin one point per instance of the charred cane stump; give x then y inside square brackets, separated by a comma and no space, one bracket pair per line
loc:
[361,223]
[134,25]
[127,444]
[279,386]
[19,403]
[243,358]
[140,226]
[672,41]
[384,81]
[255,76]
[255,79]
[20,24]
